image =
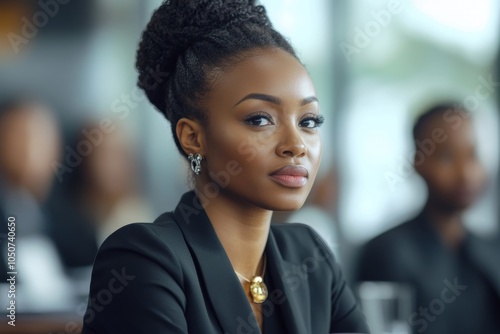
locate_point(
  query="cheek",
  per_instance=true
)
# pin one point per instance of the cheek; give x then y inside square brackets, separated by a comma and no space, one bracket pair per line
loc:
[439,177]
[315,147]
[478,176]
[314,152]
[229,151]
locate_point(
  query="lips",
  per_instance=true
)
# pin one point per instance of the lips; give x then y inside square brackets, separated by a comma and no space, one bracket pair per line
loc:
[291,176]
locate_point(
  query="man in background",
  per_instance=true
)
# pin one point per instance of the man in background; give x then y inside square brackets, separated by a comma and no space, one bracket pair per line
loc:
[455,275]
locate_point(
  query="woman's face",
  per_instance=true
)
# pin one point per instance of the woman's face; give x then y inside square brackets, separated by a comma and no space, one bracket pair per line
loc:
[262,144]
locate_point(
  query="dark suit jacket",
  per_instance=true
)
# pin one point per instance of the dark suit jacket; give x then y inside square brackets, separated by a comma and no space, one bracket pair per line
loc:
[413,253]
[173,276]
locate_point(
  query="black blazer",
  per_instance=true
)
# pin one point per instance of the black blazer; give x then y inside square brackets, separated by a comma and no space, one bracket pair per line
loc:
[173,276]
[413,253]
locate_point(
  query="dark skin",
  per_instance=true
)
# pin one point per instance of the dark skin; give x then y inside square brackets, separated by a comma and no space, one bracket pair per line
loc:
[259,134]
[454,177]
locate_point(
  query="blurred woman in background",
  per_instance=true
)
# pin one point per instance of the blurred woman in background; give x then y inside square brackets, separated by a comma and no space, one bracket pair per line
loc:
[97,196]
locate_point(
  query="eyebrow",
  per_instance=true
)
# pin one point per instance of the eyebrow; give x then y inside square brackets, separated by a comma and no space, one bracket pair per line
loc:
[308,100]
[274,99]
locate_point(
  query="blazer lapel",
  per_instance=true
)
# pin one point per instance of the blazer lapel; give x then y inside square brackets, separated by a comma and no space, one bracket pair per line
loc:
[222,286]
[293,286]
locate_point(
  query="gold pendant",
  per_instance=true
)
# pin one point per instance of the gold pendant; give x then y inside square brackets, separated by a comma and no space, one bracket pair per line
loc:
[258,290]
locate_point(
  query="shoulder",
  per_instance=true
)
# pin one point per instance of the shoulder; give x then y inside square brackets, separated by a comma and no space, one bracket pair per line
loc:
[487,245]
[393,238]
[147,251]
[385,257]
[159,243]
[163,230]
[138,270]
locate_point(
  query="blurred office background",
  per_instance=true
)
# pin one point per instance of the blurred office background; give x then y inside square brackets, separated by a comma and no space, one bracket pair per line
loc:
[376,64]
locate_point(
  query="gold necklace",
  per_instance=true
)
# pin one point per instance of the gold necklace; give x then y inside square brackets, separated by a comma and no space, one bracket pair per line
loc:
[258,289]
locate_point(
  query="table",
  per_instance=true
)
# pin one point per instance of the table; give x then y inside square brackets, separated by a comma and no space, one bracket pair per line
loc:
[42,324]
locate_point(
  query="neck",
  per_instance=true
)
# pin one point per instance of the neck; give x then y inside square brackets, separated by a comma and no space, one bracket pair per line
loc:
[448,223]
[242,229]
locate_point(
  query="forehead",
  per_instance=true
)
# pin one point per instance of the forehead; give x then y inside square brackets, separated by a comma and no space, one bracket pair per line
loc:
[269,71]
[459,130]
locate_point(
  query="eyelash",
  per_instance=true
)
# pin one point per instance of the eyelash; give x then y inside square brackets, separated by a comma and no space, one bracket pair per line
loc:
[257,116]
[318,120]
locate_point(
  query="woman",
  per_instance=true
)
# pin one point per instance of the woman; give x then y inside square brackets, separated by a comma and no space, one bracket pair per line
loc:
[244,112]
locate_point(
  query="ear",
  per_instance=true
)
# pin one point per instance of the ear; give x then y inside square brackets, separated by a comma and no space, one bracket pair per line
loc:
[191,136]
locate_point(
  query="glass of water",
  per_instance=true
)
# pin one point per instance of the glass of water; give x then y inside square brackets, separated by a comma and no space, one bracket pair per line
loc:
[387,306]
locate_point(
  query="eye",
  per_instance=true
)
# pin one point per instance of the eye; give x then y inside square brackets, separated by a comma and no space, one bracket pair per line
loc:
[312,122]
[259,120]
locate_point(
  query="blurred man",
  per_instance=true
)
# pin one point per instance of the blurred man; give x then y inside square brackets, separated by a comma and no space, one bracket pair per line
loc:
[456,276]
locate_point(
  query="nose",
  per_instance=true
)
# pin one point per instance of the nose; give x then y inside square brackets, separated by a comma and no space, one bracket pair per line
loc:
[291,145]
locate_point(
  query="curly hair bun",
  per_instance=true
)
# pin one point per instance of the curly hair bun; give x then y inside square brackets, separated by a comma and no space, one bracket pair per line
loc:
[178,24]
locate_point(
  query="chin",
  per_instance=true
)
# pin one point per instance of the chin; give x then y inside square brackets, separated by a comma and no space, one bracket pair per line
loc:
[284,201]
[464,206]
[460,206]
[269,197]
[285,207]
[466,202]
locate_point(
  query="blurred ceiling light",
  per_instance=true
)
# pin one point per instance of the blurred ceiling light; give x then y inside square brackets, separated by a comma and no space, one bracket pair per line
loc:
[464,15]
[467,25]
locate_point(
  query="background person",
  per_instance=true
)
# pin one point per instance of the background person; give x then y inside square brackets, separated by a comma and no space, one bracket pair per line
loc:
[434,251]
[30,143]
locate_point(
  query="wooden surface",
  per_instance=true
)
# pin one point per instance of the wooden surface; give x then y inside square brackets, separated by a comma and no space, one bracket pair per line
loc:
[42,324]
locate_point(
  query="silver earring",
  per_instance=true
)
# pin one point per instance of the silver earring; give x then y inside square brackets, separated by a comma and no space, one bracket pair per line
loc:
[195,161]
